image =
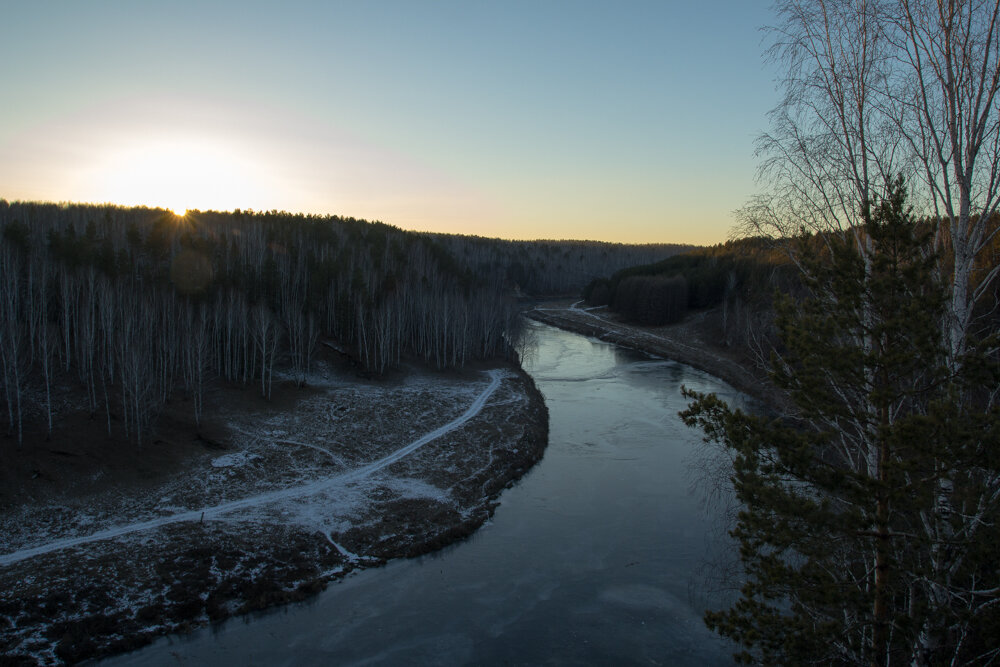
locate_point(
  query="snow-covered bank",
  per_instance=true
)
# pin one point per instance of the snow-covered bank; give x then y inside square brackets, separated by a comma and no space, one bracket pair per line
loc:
[354,474]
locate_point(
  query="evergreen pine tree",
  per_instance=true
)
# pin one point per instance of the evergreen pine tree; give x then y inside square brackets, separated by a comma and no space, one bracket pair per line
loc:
[849,554]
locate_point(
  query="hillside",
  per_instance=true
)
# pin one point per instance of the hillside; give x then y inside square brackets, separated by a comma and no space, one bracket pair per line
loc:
[116,310]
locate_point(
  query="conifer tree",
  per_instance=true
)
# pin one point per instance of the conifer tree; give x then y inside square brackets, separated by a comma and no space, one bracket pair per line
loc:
[849,555]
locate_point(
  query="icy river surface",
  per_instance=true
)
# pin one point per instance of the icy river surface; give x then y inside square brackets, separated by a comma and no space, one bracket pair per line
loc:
[597,556]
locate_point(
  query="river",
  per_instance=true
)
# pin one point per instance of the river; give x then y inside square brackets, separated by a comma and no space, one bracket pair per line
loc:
[597,556]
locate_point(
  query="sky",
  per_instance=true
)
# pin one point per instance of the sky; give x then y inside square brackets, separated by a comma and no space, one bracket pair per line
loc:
[617,121]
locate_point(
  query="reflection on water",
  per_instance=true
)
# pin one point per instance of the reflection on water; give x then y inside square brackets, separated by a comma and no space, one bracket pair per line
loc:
[594,557]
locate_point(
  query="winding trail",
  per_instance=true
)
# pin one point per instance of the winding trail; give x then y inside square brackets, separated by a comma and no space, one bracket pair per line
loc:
[299,491]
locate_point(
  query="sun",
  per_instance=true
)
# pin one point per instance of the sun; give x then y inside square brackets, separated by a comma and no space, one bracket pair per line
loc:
[179,175]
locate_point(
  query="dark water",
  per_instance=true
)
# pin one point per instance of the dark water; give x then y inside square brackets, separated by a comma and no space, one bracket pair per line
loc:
[595,557]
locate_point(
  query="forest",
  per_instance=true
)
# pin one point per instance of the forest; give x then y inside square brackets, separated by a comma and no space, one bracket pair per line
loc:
[118,308]
[738,275]
[868,504]
[866,498]
[866,512]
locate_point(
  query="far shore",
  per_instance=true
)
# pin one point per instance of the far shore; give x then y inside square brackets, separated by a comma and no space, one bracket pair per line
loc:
[691,341]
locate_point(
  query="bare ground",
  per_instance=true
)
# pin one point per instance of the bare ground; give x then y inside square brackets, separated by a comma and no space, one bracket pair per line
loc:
[105,545]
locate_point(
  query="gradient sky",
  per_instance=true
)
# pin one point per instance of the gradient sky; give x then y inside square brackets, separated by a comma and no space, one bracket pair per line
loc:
[617,121]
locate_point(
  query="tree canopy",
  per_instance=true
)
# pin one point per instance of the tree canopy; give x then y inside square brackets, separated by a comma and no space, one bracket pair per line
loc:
[868,518]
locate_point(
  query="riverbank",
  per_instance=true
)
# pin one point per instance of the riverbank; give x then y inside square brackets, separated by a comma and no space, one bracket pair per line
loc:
[691,341]
[604,554]
[262,505]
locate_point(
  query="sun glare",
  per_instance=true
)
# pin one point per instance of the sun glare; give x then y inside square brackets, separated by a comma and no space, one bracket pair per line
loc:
[178,176]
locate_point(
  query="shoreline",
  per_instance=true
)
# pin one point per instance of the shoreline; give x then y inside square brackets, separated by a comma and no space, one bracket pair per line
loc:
[685,342]
[383,501]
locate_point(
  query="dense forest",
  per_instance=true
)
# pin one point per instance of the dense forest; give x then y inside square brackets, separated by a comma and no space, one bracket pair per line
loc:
[740,280]
[867,501]
[127,305]
[740,277]
[552,268]
[869,506]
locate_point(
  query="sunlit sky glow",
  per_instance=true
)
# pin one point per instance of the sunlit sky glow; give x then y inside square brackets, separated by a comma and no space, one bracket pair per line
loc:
[627,121]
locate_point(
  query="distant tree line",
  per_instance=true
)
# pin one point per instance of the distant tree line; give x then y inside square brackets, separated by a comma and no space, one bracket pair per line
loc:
[740,279]
[739,275]
[652,300]
[128,305]
[552,268]
[134,303]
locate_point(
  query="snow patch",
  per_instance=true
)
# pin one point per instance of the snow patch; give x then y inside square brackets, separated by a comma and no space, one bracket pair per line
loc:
[308,503]
[234,459]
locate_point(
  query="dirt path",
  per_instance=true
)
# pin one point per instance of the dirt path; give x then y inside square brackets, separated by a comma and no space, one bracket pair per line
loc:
[310,488]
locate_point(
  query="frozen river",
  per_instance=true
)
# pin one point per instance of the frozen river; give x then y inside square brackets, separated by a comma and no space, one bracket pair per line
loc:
[596,557]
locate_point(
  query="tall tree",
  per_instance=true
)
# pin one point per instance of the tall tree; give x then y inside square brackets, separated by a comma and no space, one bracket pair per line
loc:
[873,88]
[946,109]
[848,556]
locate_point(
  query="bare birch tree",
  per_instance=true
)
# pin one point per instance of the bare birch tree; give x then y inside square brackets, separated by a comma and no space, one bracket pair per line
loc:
[265,332]
[875,89]
[947,110]
[878,88]
[14,352]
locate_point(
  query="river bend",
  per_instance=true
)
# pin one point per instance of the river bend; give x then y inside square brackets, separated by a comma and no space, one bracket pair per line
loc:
[597,556]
